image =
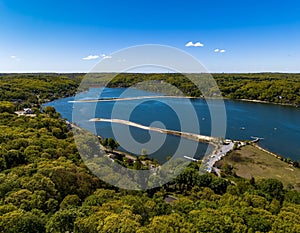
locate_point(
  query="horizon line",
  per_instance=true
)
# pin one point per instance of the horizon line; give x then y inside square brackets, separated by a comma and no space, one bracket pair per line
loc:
[112,72]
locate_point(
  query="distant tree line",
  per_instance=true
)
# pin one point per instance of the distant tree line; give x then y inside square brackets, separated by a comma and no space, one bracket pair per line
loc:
[270,87]
[31,90]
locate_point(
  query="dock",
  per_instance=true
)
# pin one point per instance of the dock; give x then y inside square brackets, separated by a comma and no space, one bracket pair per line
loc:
[256,139]
[190,158]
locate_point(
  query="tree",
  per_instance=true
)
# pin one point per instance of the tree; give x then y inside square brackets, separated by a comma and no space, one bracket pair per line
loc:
[39,182]
[50,110]
[257,219]
[204,180]
[22,222]
[183,205]
[286,222]
[62,221]
[188,178]
[144,152]
[6,106]
[14,158]
[168,223]
[137,165]
[292,196]
[2,163]
[110,143]
[219,185]
[271,188]
[99,197]
[210,220]
[227,169]
[19,198]
[255,201]
[89,224]
[70,201]
[125,222]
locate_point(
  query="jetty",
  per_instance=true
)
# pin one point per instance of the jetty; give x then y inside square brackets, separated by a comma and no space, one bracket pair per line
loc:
[256,139]
[131,98]
[190,136]
[221,147]
[190,158]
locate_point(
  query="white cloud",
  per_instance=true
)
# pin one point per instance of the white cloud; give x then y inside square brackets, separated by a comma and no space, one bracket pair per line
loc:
[91,57]
[191,44]
[198,44]
[15,58]
[104,56]
[219,50]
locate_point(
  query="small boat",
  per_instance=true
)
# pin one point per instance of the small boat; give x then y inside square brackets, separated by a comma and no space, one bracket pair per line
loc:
[242,128]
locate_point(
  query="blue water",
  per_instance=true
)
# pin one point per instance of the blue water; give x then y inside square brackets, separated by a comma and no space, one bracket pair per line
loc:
[278,125]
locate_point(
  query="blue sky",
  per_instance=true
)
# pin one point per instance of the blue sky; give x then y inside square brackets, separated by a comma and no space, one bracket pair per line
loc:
[55,36]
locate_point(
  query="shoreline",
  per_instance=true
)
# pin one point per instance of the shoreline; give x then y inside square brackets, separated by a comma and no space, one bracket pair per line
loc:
[267,151]
[109,152]
[208,161]
[179,97]
[265,102]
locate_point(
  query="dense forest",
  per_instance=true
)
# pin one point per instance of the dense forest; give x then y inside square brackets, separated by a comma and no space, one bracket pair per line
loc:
[31,90]
[45,186]
[270,87]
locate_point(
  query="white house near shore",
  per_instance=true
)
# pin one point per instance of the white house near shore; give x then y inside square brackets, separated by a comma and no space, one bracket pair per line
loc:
[28,111]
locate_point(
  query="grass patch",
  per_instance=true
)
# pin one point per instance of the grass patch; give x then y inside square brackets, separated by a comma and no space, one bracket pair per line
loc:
[250,161]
